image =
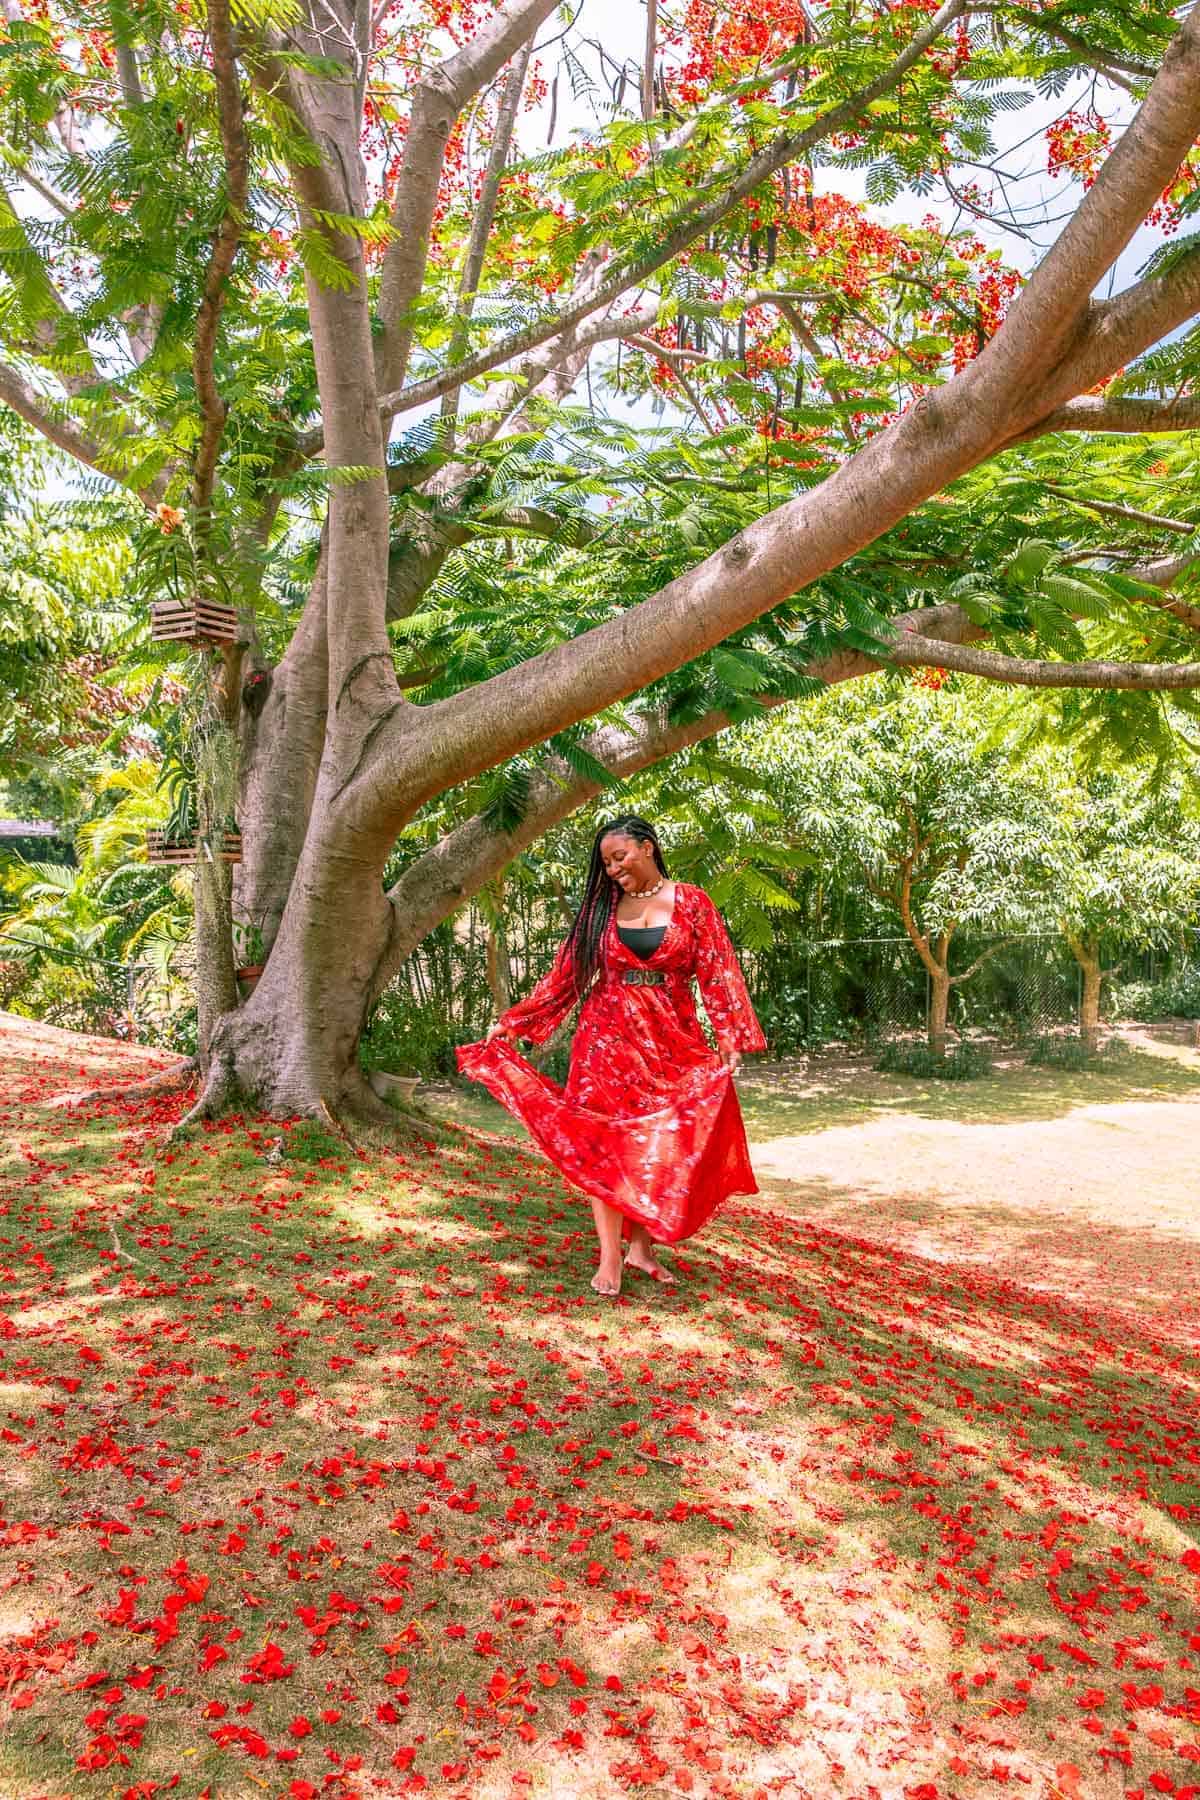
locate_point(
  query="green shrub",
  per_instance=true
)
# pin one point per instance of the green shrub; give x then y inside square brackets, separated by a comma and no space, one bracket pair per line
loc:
[783,1014]
[966,1062]
[69,995]
[405,1038]
[1175,996]
[1072,1053]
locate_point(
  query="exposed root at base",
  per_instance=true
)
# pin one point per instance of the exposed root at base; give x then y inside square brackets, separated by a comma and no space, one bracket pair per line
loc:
[366,1108]
[168,1081]
[216,1096]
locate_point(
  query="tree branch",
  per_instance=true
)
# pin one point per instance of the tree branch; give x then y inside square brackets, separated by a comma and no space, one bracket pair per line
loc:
[475,851]
[799,328]
[648,63]
[1112,509]
[224,250]
[128,73]
[281,86]
[1112,335]
[992,949]
[1097,412]
[485,209]
[917,937]
[692,222]
[1106,62]
[54,425]
[49,194]
[915,652]
[436,104]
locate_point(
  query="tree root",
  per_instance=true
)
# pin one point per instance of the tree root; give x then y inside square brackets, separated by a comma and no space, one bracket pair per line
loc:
[215,1097]
[168,1081]
[389,1123]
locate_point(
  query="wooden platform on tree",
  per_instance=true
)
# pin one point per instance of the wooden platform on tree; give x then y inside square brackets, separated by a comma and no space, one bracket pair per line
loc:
[194,621]
[172,852]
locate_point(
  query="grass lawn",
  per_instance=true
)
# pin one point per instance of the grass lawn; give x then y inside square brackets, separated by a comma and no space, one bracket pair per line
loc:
[334,1478]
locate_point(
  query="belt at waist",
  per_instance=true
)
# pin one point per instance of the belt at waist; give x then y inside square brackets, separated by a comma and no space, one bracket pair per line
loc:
[645,977]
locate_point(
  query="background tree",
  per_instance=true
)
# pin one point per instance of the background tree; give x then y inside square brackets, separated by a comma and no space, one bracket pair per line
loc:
[899,793]
[1126,877]
[223,295]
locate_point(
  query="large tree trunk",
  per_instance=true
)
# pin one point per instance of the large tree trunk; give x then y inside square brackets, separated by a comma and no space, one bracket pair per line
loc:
[216,989]
[282,731]
[293,1048]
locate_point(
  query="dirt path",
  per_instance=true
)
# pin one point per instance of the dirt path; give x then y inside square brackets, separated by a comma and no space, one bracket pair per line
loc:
[1053,1189]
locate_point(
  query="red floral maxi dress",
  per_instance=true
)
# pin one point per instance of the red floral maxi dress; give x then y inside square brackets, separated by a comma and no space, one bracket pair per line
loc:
[648,1120]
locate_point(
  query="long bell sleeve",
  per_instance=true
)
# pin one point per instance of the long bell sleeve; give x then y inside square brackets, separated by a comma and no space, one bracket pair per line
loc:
[547,1004]
[721,982]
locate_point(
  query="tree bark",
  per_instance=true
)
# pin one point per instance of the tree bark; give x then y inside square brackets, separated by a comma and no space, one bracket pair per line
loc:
[939,1007]
[281,740]
[499,969]
[216,987]
[293,1048]
[1086,951]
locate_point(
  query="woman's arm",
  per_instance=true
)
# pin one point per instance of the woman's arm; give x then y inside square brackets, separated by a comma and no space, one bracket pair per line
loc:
[543,1010]
[722,985]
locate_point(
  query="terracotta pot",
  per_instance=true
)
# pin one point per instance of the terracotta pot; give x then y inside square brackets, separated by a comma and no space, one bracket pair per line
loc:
[248,977]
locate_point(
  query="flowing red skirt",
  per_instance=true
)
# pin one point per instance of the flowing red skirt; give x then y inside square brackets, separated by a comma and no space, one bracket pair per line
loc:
[666,1150]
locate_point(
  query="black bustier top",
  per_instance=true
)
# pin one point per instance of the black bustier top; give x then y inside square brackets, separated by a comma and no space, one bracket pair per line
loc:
[643,940]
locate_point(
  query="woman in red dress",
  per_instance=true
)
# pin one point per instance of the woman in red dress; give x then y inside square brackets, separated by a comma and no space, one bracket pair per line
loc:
[648,1124]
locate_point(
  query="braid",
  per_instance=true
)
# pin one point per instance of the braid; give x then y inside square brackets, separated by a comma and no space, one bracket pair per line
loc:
[595,909]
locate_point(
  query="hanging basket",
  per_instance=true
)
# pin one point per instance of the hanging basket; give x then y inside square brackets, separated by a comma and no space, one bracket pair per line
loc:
[193,621]
[171,852]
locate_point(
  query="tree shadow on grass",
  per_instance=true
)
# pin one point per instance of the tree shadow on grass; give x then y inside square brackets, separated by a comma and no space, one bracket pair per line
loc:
[1010,1466]
[801,1524]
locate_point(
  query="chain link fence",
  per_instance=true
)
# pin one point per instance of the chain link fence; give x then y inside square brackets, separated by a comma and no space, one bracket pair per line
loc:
[843,992]
[869,991]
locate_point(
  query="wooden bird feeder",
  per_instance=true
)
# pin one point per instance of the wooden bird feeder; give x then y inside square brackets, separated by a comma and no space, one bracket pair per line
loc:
[168,852]
[193,621]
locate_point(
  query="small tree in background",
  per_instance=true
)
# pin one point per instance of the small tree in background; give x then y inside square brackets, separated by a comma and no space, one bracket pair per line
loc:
[904,799]
[1126,875]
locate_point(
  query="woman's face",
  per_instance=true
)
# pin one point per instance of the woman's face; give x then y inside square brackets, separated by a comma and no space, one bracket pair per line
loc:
[628,861]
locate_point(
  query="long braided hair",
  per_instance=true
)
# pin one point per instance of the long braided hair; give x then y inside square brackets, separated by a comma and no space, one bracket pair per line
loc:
[600,895]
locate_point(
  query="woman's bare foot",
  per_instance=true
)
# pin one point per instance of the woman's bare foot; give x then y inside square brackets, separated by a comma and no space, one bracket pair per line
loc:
[640,1255]
[607,1282]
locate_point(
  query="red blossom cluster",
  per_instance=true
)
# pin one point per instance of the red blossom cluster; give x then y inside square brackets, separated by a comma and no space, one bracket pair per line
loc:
[725,43]
[1167,211]
[1078,143]
[951,60]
